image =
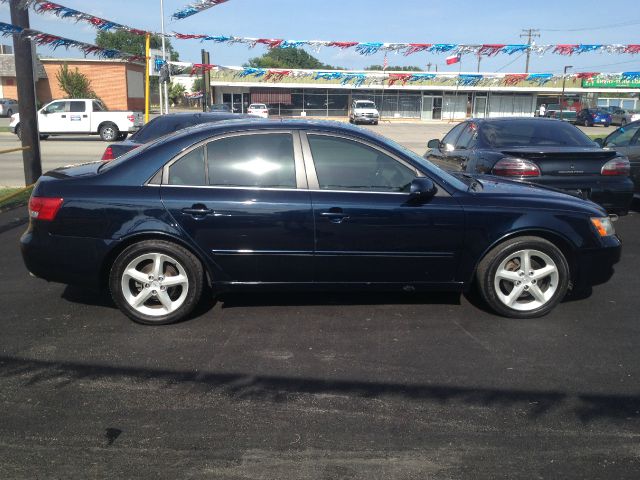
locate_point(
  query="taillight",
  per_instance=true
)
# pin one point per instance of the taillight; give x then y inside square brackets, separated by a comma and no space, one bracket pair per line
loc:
[617,166]
[108,154]
[44,208]
[131,118]
[594,115]
[516,167]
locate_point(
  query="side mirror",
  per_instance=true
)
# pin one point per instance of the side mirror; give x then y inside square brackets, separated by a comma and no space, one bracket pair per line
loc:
[422,188]
[435,143]
[599,141]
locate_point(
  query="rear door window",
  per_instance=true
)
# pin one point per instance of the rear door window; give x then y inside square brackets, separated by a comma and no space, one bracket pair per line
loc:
[189,170]
[254,160]
[77,107]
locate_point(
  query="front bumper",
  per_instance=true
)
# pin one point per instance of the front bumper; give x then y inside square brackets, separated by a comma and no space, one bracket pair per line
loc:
[595,266]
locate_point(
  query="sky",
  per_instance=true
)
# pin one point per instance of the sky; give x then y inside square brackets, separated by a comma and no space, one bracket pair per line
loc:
[414,21]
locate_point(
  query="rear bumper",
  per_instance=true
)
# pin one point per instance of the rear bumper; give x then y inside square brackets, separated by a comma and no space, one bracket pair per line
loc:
[615,194]
[69,260]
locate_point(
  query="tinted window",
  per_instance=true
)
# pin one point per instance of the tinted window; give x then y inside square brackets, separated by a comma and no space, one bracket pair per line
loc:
[622,137]
[343,164]
[532,133]
[98,107]
[189,170]
[261,160]
[450,138]
[76,106]
[467,136]
[161,126]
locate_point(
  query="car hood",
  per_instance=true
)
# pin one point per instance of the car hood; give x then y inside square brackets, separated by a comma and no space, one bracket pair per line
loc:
[506,192]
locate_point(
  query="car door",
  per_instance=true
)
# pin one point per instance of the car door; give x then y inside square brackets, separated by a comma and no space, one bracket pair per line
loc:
[242,198]
[52,118]
[367,229]
[78,120]
[442,155]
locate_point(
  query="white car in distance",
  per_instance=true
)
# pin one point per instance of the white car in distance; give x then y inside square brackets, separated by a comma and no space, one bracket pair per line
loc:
[258,109]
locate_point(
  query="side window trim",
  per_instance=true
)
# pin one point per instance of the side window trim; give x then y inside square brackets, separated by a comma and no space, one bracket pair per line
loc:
[312,176]
[299,165]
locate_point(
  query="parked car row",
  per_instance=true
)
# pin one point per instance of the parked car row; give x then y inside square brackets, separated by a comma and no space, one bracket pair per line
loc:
[307,204]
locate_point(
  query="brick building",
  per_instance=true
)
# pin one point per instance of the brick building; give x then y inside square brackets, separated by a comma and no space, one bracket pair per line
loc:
[118,83]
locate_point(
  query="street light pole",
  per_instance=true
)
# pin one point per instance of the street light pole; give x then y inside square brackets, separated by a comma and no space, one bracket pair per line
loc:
[164,57]
[564,81]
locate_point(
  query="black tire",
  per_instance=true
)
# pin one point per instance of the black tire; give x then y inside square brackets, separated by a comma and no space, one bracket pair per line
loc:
[9,113]
[375,123]
[623,122]
[606,125]
[586,123]
[44,137]
[123,136]
[486,277]
[181,262]
[109,132]
[19,131]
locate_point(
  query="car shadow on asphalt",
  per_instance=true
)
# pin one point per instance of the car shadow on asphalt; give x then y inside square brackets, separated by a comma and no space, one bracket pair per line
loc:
[532,404]
[281,299]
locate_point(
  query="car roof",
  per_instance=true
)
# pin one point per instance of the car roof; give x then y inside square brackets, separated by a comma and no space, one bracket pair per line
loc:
[248,123]
[513,119]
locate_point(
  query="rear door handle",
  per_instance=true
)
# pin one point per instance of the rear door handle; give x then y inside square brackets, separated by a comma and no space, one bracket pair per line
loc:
[197,211]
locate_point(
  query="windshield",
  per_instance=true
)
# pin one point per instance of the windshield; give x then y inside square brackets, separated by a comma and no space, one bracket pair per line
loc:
[365,105]
[532,133]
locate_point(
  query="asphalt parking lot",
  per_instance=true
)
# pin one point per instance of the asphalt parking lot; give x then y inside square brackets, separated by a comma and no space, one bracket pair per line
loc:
[318,386]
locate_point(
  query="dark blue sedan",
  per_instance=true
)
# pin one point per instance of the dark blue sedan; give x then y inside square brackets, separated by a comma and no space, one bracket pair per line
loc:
[274,205]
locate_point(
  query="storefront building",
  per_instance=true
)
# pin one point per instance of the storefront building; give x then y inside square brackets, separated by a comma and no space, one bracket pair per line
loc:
[440,99]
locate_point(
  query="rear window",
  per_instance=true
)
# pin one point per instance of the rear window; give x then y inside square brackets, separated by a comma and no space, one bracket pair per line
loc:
[532,133]
[258,105]
[158,127]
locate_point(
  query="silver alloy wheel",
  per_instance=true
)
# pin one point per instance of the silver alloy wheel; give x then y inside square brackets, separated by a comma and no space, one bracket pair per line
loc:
[526,280]
[108,133]
[154,284]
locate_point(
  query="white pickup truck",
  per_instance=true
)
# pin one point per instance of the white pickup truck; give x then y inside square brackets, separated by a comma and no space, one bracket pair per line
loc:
[82,116]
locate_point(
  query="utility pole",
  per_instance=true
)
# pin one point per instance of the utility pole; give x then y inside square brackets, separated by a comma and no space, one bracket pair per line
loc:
[479,60]
[206,80]
[23,55]
[530,33]
[429,66]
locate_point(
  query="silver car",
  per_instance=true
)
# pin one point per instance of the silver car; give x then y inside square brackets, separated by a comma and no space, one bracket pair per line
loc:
[8,106]
[620,116]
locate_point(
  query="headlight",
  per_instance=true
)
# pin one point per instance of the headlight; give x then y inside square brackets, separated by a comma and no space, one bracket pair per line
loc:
[603,226]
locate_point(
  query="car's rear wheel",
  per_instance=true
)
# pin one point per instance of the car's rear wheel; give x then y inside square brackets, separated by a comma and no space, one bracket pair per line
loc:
[586,123]
[524,277]
[109,132]
[123,136]
[155,282]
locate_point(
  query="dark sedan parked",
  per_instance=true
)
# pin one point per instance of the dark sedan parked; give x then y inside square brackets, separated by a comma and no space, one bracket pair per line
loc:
[590,117]
[626,141]
[163,125]
[538,150]
[251,204]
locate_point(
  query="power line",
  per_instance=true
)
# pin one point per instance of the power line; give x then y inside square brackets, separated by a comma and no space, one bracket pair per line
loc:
[601,27]
[510,63]
[586,69]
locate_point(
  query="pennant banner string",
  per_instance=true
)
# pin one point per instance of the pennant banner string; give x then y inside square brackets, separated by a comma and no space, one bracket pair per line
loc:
[195,7]
[54,41]
[363,48]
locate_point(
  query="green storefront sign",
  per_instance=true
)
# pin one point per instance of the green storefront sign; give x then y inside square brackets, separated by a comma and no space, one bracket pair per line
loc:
[610,83]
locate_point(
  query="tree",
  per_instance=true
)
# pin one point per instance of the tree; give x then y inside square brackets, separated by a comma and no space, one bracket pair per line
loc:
[74,83]
[133,44]
[176,92]
[288,58]
[395,68]
[197,85]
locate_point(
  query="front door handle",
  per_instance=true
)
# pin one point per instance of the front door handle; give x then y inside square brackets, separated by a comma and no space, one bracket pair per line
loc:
[197,210]
[335,215]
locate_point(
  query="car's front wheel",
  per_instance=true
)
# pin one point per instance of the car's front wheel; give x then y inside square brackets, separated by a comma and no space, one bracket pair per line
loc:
[586,123]
[524,277]
[155,282]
